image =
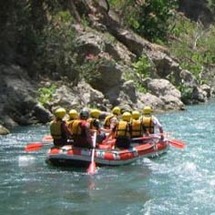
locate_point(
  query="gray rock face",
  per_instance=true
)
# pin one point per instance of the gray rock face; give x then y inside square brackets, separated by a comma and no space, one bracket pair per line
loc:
[111,50]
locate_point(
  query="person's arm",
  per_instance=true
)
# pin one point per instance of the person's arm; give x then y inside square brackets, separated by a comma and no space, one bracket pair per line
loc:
[66,130]
[113,122]
[111,135]
[159,126]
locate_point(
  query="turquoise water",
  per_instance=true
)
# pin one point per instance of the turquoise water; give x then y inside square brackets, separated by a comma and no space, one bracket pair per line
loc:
[179,182]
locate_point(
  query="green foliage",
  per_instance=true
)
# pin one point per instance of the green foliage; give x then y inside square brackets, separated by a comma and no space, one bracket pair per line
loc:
[211,6]
[186,93]
[45,94]
[154,18]
[38,36]
[193,63]
[142,67]
[90,68]
[85,21]
[89,71]
[141,88]
[193,45]
[128,11]
[150,18]
[55,53]
[118,4]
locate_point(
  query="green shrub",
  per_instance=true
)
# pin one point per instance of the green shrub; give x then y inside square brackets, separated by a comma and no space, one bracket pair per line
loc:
[89,70]
[186,93]
[193,45]
[154,19]
[56,50]
[45,94]
[142,67]
[150,18]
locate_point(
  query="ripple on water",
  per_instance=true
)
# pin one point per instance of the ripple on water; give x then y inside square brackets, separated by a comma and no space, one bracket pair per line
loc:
[26,160]
[180,182]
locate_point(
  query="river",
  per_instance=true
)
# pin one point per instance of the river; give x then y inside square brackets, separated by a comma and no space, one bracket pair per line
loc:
[179,182]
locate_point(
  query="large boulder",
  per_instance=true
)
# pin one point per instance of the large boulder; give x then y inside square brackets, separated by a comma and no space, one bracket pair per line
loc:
[42,114]
[148,99]
[77,97]
[17,97]
[3,130]
[167,92]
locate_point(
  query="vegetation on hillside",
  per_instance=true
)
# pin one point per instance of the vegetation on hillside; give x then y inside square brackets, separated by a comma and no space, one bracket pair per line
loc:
[149,18]
[38,36]
[193,44]
[190,42]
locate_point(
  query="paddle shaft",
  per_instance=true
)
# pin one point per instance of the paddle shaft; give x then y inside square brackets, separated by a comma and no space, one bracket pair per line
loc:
[92,167]
[94,146]
[35,146]
[175,143]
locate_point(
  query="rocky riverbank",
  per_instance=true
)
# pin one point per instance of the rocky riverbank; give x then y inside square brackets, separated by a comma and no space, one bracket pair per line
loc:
[113,49]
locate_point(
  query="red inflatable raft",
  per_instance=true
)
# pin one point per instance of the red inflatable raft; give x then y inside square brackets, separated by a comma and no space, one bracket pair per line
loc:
[104,155]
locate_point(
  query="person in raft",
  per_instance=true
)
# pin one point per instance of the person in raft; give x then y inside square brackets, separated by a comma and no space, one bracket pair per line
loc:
[138,130]
[150,122]
[58,128]
[95,125]
[122,131]
[112,119]
[81,131]
[73,115]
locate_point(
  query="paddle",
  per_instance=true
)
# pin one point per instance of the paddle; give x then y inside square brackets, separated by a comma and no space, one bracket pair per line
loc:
[35,146]
[92,167]
[47,138]
[177,144]
[146,138]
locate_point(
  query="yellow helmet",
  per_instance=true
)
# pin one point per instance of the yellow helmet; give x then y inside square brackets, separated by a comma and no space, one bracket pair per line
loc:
[147,110]
[116,110]
[73,114]
[126,116]
[135,114]
[95,113]
[60,113]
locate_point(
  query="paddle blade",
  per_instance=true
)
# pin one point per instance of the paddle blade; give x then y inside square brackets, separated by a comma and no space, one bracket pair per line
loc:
[33,147]
[177,144]
[92,168]
[47,138]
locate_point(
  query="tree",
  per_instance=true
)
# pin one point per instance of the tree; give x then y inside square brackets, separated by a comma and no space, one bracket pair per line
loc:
[154,18]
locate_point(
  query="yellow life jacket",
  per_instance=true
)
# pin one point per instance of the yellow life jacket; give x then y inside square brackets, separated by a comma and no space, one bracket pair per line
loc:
[123,129]
[70,124]
[55,130]
[107,121]
[148,123]
[76,127]
[136,128]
